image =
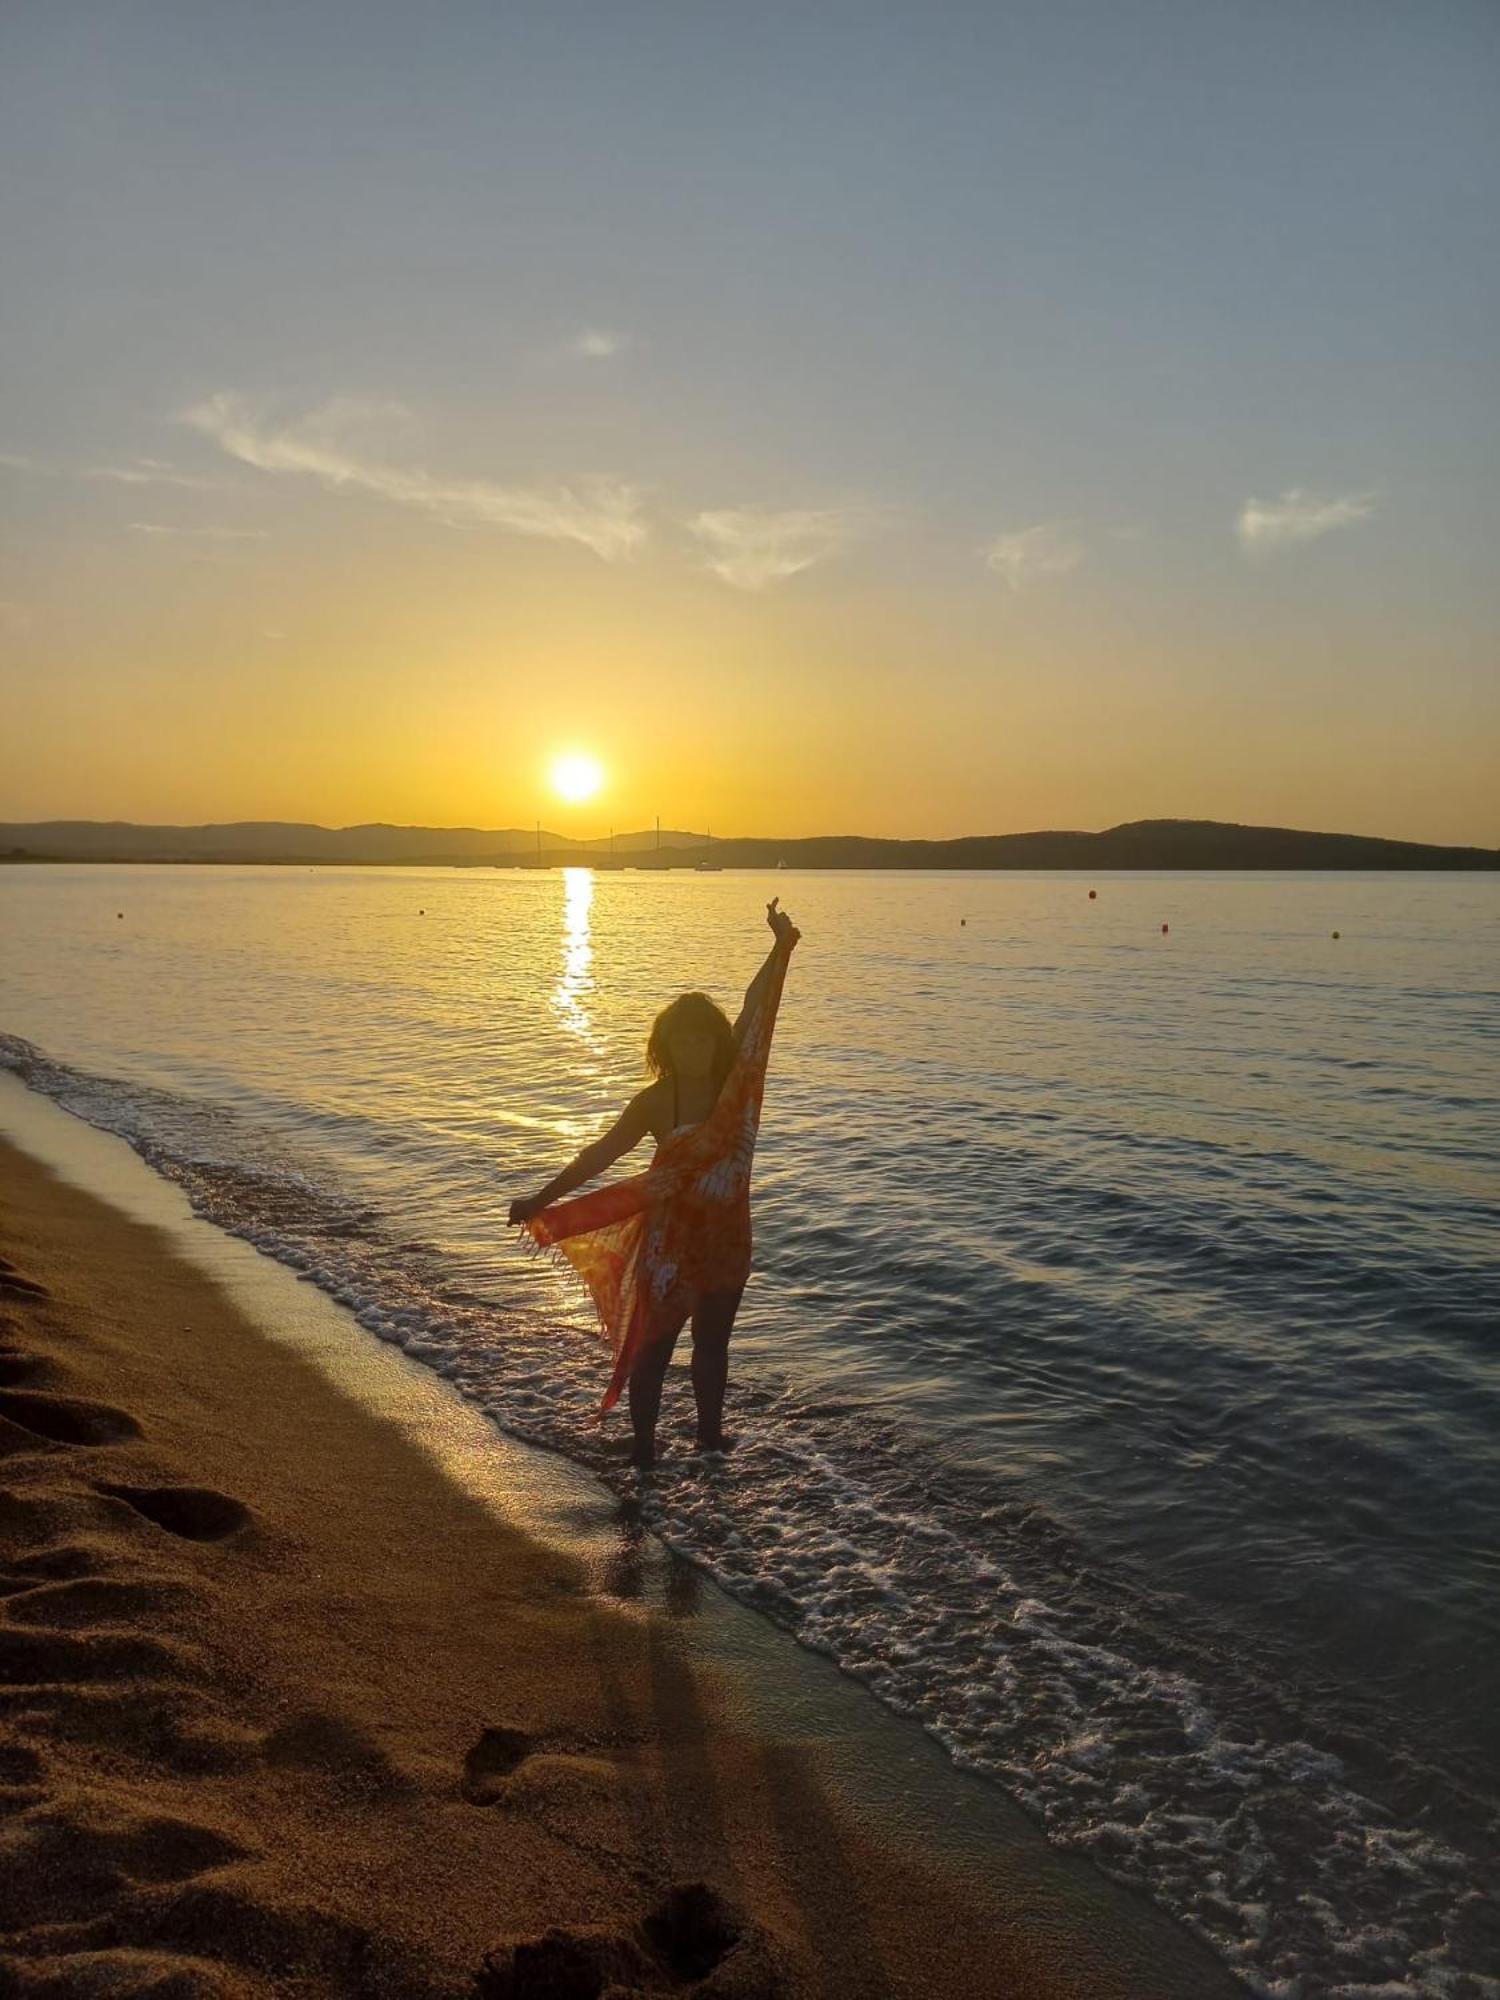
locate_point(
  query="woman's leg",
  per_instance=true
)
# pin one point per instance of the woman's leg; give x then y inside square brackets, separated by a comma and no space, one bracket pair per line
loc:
[643,1387]
[713,1322]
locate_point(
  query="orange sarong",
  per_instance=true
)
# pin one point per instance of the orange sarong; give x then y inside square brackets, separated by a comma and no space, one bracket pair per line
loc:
[647,1248]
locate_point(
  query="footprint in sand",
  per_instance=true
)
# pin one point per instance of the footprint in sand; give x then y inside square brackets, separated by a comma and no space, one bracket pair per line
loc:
[196,1513]
[21,1767]
[60,1420]
[16,1365]
[45,1657]
[12,1280]
[66,1861]
[58,1563]
[540,1771]
[95,1600]
[491,1761]
[693,1942]
[165,1728]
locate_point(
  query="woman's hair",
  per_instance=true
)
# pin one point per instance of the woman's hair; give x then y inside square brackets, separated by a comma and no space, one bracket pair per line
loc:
[691,1010]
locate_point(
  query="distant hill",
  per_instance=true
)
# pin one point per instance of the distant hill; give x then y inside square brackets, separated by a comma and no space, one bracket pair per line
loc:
[274,840]
[1142,843]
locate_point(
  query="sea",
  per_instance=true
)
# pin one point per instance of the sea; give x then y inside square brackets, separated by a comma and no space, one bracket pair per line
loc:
[1117,1392]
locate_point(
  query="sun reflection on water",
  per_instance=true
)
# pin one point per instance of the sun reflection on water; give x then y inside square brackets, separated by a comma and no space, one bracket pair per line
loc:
[575,982]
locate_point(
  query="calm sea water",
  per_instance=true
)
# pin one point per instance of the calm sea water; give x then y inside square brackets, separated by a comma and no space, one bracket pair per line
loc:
[1119,1386]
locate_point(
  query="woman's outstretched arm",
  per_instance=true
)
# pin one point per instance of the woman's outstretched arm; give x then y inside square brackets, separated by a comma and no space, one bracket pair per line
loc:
[628,1130]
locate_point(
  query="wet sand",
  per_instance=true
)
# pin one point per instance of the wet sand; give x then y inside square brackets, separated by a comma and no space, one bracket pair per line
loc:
[285,1710]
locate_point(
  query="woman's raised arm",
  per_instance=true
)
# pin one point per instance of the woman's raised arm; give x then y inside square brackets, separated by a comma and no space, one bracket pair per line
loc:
[786,932]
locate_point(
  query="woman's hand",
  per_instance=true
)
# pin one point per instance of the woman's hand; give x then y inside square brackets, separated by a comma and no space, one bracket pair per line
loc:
[524,1207]
[781,923]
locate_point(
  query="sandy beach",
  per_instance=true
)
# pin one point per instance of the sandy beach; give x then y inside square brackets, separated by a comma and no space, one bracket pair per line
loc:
[284,1711]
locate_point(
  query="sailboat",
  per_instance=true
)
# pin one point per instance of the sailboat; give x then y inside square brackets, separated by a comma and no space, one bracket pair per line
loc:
[708,867]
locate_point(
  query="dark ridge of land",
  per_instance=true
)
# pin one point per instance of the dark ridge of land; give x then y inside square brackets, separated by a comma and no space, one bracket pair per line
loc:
[292,842]
[1142,843]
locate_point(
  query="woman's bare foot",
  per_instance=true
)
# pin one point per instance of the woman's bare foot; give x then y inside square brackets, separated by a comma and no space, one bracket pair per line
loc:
[714,1445]
[630,1451]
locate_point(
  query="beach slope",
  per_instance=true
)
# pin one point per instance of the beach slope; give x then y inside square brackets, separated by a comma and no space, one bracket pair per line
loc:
[283,1710]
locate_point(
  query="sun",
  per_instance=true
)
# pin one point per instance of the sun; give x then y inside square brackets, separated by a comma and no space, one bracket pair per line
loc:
[576,777]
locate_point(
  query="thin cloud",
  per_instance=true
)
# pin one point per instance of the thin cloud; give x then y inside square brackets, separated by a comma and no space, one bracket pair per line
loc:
[1297,516]
[148,472]
[20,461]
[1028,553]
[596,343]
[751,547]
[144,471]
[213,534]
[602,514]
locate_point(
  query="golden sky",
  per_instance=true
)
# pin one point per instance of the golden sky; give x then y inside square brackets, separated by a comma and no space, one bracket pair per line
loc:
[933,435]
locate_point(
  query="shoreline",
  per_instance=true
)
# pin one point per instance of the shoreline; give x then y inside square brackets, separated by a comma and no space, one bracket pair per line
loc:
[604,865]
[369,1731]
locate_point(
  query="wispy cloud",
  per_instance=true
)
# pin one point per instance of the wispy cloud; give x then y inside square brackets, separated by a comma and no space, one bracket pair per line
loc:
[211,534]
[149,472]
[596,343]
[751,547]
[1299,517]
[1025,554]
[602,514]
[142,472]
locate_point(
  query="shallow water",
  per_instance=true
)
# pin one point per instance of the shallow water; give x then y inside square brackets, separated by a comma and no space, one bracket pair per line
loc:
[1118,1386]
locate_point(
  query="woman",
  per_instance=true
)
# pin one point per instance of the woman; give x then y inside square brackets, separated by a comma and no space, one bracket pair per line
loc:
[673,1243]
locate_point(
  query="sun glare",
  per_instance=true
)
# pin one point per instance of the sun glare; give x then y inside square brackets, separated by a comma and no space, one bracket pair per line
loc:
[576,777]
